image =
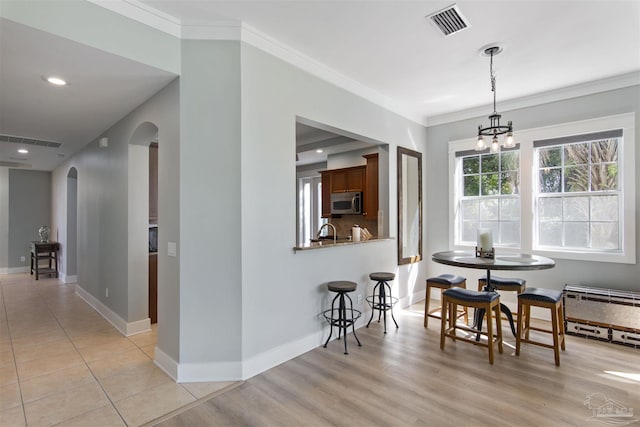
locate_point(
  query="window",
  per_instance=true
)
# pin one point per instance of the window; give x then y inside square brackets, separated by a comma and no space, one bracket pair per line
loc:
[567,191]
[578,192]
[489,196]
[309,208]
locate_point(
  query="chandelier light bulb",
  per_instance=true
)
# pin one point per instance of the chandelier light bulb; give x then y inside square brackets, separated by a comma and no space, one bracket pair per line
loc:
[509,142]
[495,147]
[480,144]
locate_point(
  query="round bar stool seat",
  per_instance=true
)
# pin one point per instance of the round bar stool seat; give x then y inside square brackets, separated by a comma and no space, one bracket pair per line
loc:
[381,299]
[343,316]
[544,298]
[443,281]
[503,284]
[487,301]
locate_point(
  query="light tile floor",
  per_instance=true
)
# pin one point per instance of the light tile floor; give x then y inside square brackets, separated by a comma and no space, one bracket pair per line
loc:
[62,364]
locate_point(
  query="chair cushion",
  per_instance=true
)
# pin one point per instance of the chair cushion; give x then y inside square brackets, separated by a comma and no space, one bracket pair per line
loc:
[342,286]
[447,279]
[382,277]
[470,295]
[540,294]
[505,283]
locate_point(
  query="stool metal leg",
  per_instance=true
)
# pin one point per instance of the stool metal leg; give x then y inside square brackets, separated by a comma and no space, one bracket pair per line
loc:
[353,323]
[391,306]
[331,322]
[372,305]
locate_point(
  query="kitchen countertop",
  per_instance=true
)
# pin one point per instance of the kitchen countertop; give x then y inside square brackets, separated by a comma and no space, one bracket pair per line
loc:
[330,244]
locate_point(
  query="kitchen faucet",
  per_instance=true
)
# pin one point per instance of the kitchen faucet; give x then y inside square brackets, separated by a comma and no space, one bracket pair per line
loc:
[335,235]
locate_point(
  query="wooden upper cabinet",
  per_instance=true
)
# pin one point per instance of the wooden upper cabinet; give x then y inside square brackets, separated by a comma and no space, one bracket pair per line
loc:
[326,193]
[347,179]
[371,199]
[153,183]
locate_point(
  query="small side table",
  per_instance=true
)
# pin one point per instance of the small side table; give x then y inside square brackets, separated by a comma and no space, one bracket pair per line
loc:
[44,251]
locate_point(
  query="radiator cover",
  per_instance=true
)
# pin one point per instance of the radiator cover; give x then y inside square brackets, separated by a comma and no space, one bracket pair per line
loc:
[604,314]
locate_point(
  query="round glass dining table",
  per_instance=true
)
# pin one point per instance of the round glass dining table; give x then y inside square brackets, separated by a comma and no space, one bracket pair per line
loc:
[506,261]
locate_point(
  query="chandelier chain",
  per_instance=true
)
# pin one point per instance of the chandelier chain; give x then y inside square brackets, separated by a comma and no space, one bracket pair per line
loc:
[493,83]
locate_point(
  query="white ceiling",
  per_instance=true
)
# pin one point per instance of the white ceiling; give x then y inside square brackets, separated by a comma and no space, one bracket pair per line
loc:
[386,47]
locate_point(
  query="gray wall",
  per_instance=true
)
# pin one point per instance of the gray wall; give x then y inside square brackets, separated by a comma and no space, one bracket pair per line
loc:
[284,293]
[210,273]
[29,209]
[607,275]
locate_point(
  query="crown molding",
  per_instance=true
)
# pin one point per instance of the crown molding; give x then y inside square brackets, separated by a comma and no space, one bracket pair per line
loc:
[144,14]
[574,91]
[231,30]
[298,59]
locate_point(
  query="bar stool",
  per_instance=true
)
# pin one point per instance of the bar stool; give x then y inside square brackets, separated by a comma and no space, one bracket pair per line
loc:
[506,284]
[443,281]
[488,301]
[381,299]
[545,298]
[342,317]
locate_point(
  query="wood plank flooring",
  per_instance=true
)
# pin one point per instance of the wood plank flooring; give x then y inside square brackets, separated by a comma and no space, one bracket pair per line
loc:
[404,379]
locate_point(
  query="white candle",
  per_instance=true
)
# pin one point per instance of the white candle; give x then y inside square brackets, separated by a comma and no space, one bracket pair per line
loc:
[485,239]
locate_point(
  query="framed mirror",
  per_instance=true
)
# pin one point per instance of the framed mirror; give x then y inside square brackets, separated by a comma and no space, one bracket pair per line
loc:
[409,206]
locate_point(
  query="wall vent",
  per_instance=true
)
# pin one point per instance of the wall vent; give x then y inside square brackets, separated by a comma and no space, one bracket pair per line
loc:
[29,141]
[449,20]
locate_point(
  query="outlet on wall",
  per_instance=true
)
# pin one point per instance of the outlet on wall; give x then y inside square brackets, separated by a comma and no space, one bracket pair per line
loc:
[23,259]
[106,292]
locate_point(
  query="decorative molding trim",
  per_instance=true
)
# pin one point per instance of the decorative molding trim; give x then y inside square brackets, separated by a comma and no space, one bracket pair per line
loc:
[116,321]
[222,30]
[144,14]
[575,91]
[138,327]
[299,60]
[209,371]
[275,356]
[14,270]
[166,363]
[68,279]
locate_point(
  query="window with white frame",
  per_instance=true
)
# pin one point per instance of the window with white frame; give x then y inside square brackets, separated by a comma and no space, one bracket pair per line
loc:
[577,197]
[489,195]
[309,208]
[567,191]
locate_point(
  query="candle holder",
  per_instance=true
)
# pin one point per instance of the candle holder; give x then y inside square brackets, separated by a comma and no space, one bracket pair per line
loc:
[481,253]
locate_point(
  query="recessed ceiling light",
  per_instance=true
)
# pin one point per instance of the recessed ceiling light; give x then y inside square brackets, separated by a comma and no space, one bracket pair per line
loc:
[319,150]
[23,151]
[56,81]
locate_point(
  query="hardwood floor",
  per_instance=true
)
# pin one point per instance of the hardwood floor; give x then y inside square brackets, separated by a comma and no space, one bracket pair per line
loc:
[404,378]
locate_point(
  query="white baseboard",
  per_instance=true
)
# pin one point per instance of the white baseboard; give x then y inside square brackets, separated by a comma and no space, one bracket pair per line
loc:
[68,279]
[409,300]
[275,356]
[209,372]
[118,322]
[166,363]
[14,270]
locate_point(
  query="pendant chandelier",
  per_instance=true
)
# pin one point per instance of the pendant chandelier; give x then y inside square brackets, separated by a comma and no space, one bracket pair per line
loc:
[495,128]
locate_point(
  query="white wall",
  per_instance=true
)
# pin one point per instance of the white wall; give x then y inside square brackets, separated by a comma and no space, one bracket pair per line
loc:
[599,274]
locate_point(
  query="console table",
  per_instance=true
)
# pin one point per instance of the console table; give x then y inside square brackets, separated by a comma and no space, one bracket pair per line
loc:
[44,251]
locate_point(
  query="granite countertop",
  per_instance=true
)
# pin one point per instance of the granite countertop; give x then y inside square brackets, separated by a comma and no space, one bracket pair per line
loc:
[330,243]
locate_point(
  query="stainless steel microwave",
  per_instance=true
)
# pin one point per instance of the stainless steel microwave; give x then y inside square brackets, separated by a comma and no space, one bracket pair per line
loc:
[346,203]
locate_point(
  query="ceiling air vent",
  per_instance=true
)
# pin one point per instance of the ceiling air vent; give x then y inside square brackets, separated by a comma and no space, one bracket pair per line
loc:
[449,20]
[29,141]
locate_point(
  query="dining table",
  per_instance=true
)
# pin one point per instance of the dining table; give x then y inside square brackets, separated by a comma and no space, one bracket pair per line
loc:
[506,261]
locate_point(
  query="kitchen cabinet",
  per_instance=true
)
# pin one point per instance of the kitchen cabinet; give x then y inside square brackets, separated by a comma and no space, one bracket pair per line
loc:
[370,195]
[347,179]
[153,183]
[326,193]
[153,287]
